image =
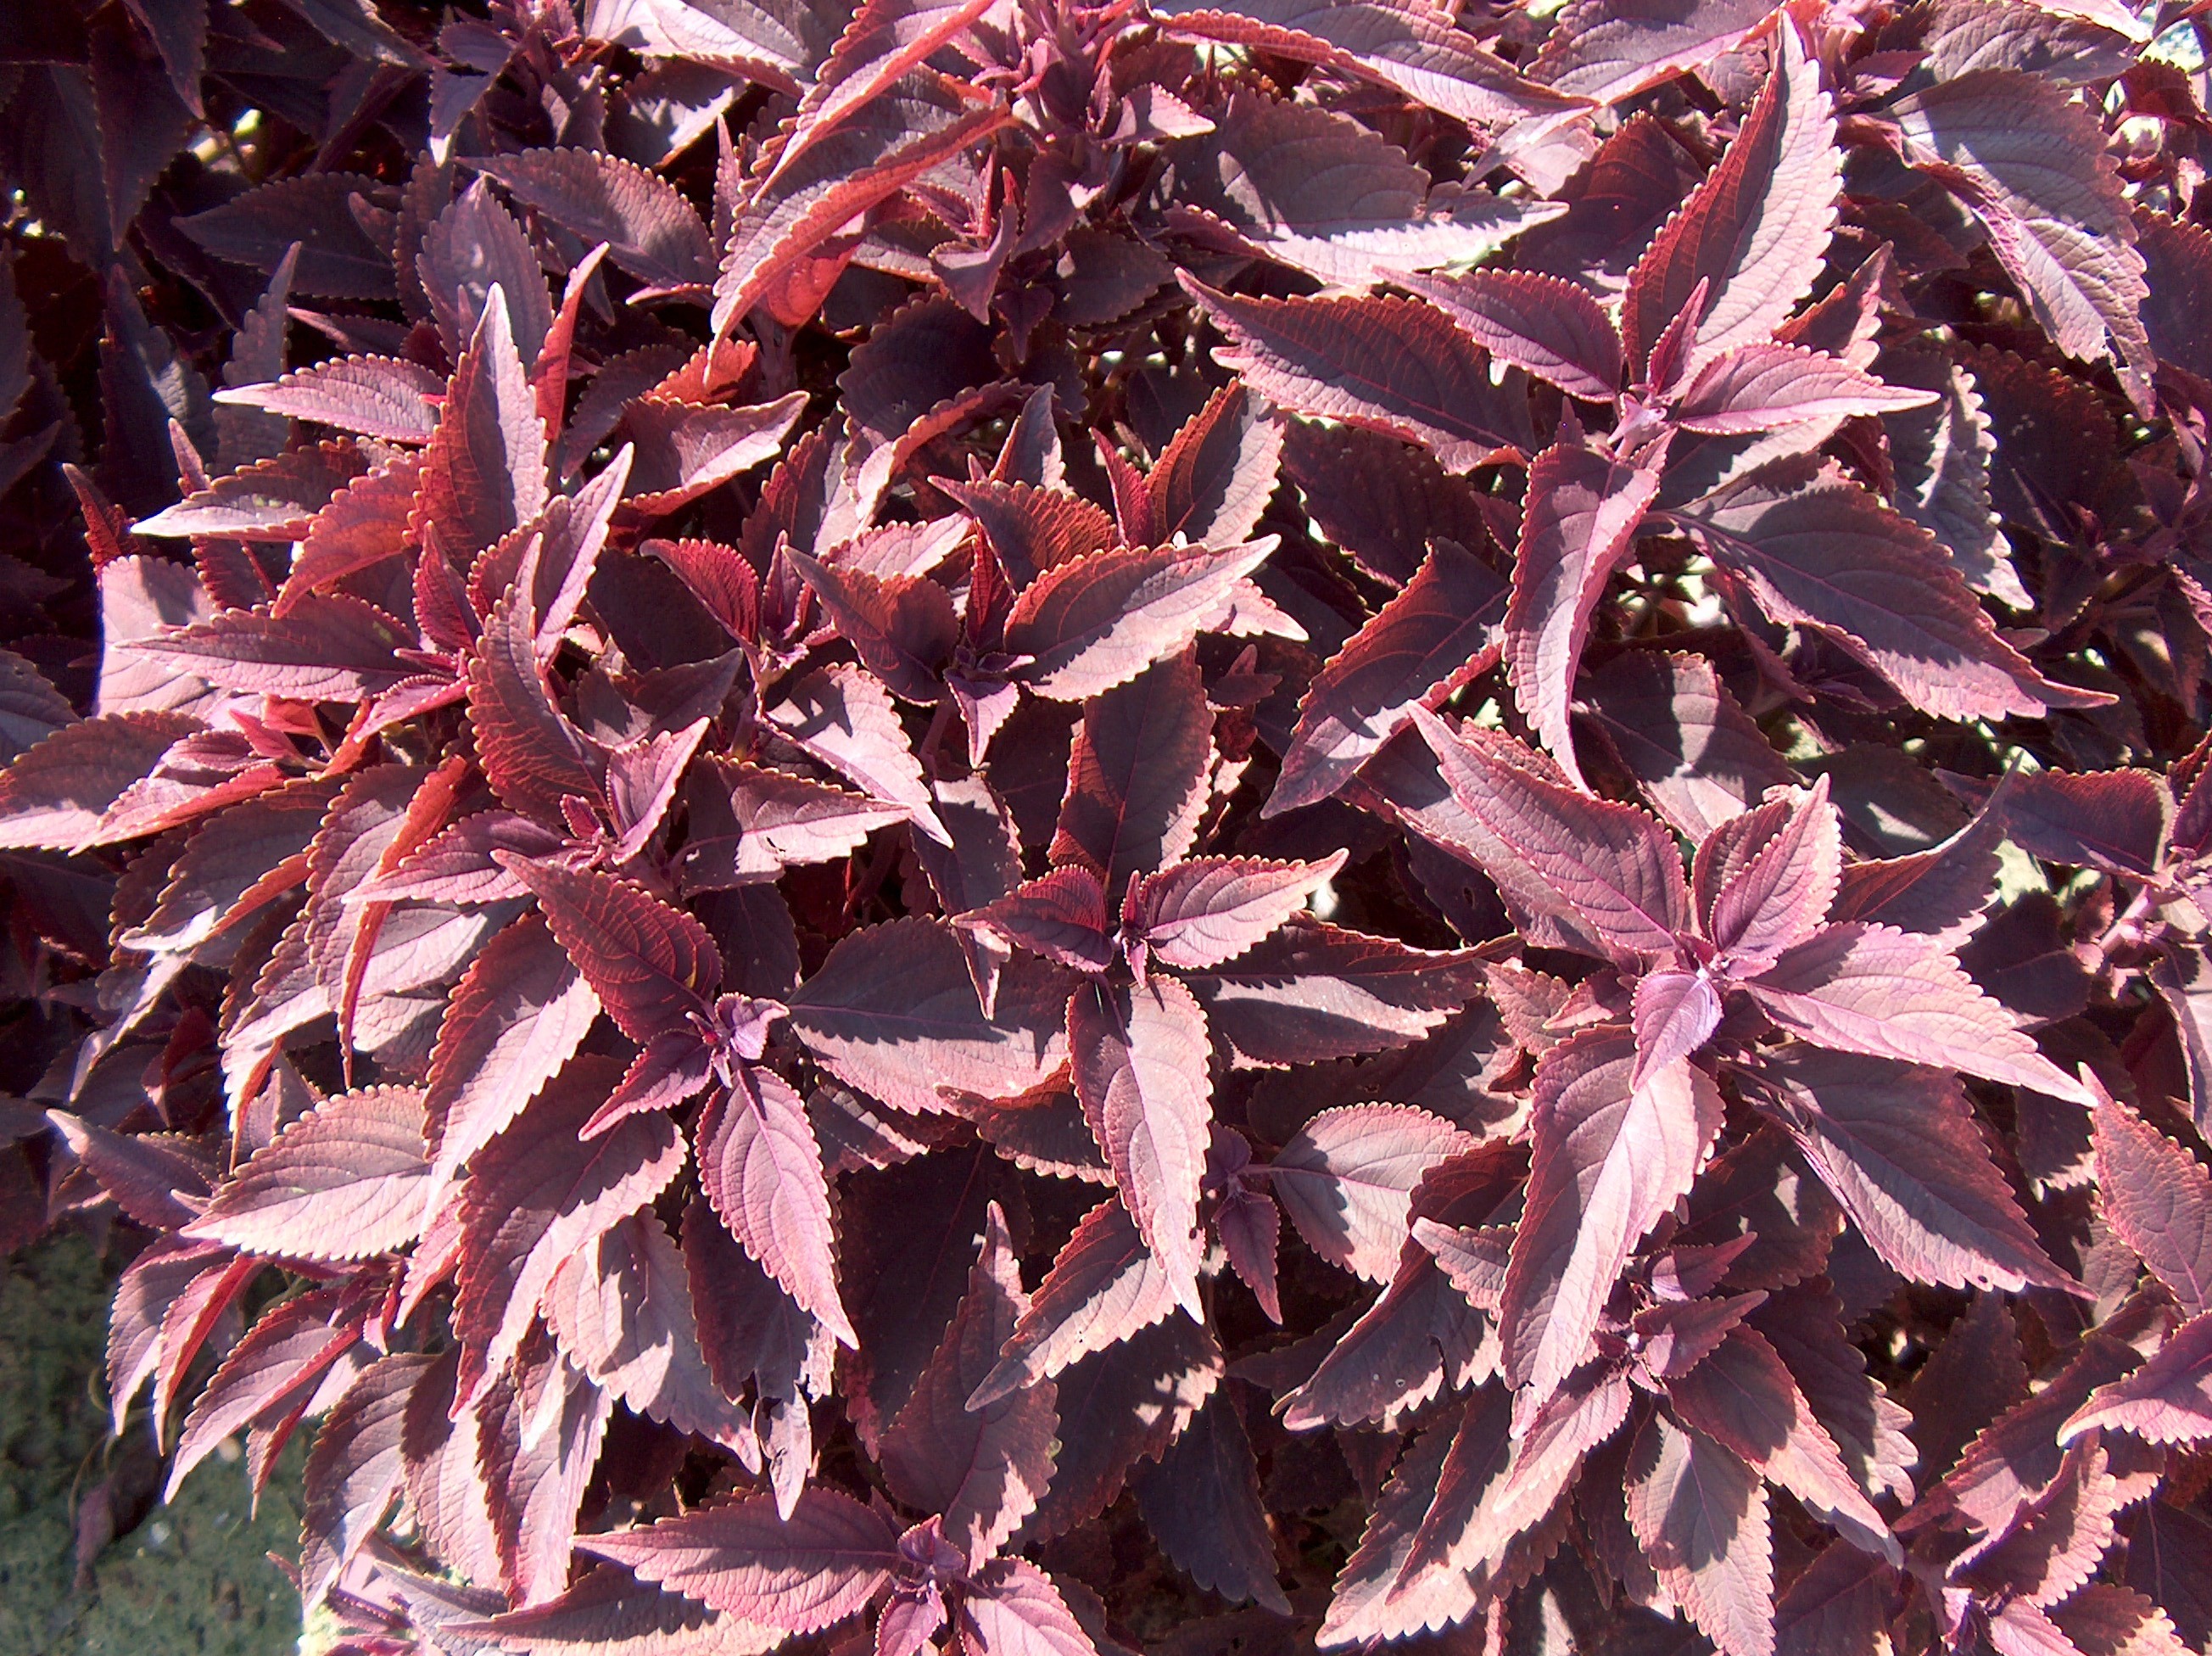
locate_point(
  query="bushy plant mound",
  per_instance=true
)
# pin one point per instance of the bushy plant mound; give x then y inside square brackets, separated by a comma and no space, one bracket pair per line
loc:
[785,716]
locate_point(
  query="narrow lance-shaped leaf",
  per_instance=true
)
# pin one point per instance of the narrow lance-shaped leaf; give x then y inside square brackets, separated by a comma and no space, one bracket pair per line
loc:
[1427,639]
[1139,1059]
[1610,1158]
[1391,365]
[343,1182]
[1577,526]
[1874,990]
[1701,1515]
[1899,1150]
[1756,229]
[825,1563]
[1210,909]
[761,1168]
[1611,864]
[983,1471]
[1816,549]
[2158,1197]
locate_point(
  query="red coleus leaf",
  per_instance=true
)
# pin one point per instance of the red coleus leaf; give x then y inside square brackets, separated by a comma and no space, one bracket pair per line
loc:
[809,187]
[484,469]
[1095,622]
[2167,1400]
[1611,1156]
[354,1474]
[382,397]
[1899,1150]
[762,1170]
[345,1181]
[1547,326]
[1758,388]
[1139,1056]
[540,1192]
[1611,865]
[1818,550]
[650,230]
[1105,1286]
[1870,990]
[983,1471]
[1346,1179]
[650,966]
[1202,1503]
[1061,916]
[893,1011]
[621,1311]
[1390,365]
[1209,909]
[1579,522]
[1755,231]
[1744,1397]
[1701,1517]
[2159,1198]
[1136,774]
[1424,640]
[812,1570]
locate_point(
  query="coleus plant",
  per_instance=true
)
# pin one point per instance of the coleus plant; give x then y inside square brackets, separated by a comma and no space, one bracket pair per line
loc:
[780,716]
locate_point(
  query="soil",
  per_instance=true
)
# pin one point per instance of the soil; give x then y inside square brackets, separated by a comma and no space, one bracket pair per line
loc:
[192,1578]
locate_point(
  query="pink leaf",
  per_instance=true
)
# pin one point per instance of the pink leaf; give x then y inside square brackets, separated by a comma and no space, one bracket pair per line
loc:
[893,1011]
[538,1193]
[984,1471]
[1310,991]
[1390,365]
[1611,1157]
[822,1565]
[650,965]
[1757,387]
[345,1181]
[1136,774]
[1432,636]
[1743,1397]
[1756,229]
[1675,1013]
[1871,989]
[1216,477]
[1346,1179]
[484,471]
[1095,622]
[1816,548]
[863,158]
[760,1167]
[1900,1150]
[1014,1610]
[1540,324]
[1061,916]
[1139,1057]
[2167,1400]
[1582,512]
[1105,1286]
[355,1473]
[2158,1197]
[650,230]
[1202,912]
[1702,1518]
[1779,896]
[385,396]
[1610,864]
[270,500]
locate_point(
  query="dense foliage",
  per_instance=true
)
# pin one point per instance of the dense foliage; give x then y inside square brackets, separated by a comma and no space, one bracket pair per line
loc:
[738,733]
